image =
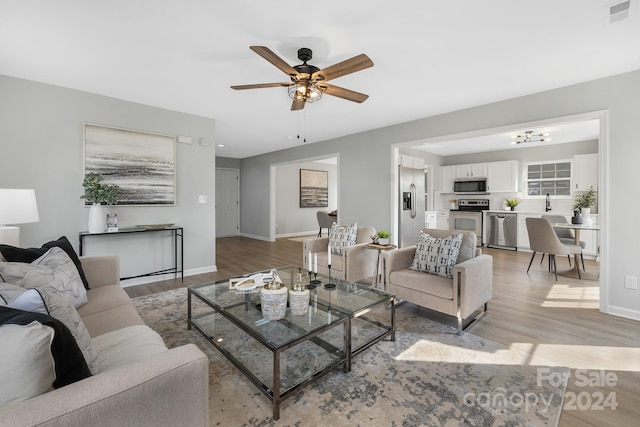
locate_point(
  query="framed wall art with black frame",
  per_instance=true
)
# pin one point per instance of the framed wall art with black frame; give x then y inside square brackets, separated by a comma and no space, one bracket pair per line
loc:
[314,188]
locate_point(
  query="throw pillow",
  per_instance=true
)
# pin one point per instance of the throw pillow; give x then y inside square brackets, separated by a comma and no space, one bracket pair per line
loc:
[69,363]
[436,255]
[14,254]
[47,300]
[341,236]
[27,367]
[53,268]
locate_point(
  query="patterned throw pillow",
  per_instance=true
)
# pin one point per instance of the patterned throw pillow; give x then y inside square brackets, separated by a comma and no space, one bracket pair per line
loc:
[436,255]
[341,236]
[53,268]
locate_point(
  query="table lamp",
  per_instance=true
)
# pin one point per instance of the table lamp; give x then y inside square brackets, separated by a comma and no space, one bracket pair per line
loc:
[17,206]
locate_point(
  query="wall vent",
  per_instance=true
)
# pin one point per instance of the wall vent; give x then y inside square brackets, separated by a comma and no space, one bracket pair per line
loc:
[619,11]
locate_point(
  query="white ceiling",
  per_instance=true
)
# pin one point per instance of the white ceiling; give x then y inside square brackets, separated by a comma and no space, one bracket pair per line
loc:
[430,57]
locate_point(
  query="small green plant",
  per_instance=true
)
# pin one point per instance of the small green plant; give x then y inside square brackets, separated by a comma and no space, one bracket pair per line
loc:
[96,192]
[383,234]
[512,203]
[585,200]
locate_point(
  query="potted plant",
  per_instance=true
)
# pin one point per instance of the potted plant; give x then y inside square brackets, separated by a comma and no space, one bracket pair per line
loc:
[584,202]
[452,203]
[512,203]
[98,194]
[383,237]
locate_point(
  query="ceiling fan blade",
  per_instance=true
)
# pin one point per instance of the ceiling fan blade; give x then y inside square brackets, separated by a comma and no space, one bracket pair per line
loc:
[260,86]
[270,56]
[343,68]
[297,104]
[343,93]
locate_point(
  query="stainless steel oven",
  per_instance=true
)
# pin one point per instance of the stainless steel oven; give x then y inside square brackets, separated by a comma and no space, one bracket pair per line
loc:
[468,217]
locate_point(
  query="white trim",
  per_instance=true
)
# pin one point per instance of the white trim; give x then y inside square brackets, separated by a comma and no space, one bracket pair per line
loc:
[253,236]
[624,312]
[296,234]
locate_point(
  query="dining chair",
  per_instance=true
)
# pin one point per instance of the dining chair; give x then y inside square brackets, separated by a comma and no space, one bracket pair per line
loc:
[565,235]
[542,238]
[324,221]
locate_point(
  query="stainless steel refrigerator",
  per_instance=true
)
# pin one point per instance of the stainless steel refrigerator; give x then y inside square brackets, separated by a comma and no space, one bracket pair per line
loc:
[411,205]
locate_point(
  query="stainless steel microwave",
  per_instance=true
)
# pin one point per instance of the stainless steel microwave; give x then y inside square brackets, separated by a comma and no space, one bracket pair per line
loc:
[473,185]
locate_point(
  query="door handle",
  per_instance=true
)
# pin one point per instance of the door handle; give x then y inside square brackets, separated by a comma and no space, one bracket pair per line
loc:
[415,200]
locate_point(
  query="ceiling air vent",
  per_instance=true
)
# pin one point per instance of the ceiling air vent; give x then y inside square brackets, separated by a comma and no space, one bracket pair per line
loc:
[619,11]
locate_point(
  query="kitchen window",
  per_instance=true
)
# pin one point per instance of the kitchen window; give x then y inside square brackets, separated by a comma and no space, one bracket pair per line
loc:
[553,178]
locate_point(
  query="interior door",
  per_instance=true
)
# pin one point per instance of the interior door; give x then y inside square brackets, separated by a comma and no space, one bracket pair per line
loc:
[227,202]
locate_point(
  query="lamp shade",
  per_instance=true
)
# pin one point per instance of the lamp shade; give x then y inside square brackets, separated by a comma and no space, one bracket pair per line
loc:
[18,206]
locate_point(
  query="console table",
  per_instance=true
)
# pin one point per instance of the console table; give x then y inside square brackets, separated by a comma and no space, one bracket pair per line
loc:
[177,233]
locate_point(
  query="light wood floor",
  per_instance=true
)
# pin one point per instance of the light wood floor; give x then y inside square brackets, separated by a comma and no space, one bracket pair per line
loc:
[558,321]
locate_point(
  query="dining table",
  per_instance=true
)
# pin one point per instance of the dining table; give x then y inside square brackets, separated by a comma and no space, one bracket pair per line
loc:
[577,228]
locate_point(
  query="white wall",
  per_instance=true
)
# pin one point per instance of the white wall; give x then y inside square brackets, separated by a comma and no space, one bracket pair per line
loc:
[41,140]
[366,167]
[291,219]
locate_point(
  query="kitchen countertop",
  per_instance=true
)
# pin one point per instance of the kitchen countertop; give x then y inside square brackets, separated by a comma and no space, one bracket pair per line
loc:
[567,214]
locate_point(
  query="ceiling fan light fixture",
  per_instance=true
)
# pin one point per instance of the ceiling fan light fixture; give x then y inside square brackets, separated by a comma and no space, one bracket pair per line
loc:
[305,91]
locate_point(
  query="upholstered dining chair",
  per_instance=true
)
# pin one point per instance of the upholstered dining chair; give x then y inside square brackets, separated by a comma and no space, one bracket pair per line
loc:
[324,221]
[543,238]
[565,235]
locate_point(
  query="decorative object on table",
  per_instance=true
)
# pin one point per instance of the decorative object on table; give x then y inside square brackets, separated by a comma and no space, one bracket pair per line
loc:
[329,285]
[381,237]
[273,298]
[314,189]
[96,194]
[154,226]
[512,203]
[17,206]
[299,297]
[143,164]
[452,203]
[584,202]
[577,217]
[112,222]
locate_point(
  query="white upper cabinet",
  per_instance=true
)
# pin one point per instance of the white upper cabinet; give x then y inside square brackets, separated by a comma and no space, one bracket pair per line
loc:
[585,172]
[475,170]
[411,162]
[447,175]
[502,176]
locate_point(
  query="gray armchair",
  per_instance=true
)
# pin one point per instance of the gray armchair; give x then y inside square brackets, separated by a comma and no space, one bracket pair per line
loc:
[543,238]
[357,263]
[324,221]
[462,296]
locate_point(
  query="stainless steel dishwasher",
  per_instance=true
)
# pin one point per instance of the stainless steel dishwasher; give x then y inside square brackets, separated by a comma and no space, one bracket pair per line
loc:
[502,230]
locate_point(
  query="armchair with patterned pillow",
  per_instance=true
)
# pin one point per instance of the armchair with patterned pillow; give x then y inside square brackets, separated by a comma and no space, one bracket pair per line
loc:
[351,260]
[444,272]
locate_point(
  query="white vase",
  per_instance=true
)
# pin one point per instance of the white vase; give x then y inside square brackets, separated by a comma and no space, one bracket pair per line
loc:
[299,302]
[383,241]
[274,303]
[97,219]
[586,218]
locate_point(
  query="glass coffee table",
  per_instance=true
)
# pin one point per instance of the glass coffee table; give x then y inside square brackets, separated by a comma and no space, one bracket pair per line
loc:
[282,356]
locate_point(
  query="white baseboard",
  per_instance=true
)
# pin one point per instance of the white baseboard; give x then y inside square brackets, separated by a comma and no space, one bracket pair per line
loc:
[623,312]
[304,233]
[251,236]
[168,276]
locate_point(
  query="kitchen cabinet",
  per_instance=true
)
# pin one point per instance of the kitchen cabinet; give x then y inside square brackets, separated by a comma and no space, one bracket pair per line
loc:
[431,219]
[523,234]
[443,220]
[447,175]
[475,170]
[411,162]
[585,172]
[502,176]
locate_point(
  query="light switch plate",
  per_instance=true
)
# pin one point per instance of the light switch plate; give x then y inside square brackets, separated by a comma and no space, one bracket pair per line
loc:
[202,199]
[630,282]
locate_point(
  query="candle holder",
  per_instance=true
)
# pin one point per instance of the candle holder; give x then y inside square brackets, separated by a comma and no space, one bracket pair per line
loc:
[330,285]
[315,280]
[311,284]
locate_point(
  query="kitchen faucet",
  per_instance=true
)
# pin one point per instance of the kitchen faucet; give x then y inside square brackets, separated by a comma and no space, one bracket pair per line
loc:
[547,207]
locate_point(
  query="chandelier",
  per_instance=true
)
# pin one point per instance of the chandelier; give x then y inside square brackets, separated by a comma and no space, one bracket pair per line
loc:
[530,136]
[305,91]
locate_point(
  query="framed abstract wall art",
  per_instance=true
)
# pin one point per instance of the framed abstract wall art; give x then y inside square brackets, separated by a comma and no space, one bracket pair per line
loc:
[143,164]
[314,188]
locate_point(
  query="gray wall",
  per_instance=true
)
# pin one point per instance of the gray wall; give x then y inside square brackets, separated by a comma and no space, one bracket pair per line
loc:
[291,219]
[42,148]
[228,163]
[365,167]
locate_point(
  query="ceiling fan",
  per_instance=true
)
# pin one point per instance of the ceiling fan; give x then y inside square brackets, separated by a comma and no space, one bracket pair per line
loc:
[308,83]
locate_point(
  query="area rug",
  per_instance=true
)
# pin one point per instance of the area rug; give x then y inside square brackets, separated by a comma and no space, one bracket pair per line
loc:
[428,376]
